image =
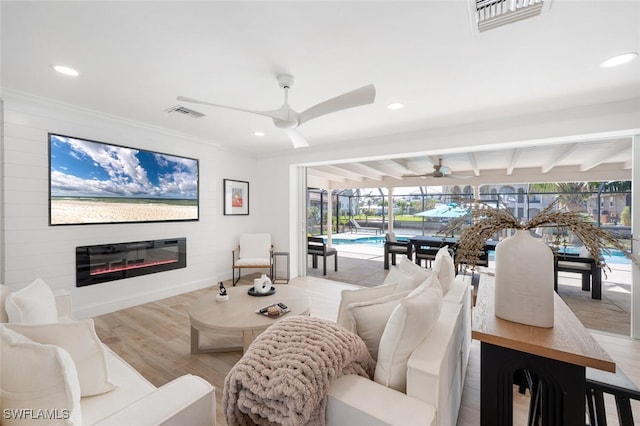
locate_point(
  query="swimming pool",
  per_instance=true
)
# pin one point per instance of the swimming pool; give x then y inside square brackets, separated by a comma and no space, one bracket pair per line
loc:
[614,257]
[377,240]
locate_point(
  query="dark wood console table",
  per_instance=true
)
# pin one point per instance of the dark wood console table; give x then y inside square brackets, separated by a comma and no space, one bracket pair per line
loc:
[558,356]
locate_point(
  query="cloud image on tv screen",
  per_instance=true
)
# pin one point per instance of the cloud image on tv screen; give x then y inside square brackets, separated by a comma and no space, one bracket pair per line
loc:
[96,182]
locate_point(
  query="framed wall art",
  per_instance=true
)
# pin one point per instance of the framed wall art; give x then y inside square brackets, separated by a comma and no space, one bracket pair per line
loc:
[236,197]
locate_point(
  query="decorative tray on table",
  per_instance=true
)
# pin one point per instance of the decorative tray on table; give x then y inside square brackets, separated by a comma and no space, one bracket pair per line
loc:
[252,292]
[273,310]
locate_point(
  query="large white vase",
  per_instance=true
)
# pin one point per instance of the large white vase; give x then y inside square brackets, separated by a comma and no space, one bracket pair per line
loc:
[524,280]
[262,285]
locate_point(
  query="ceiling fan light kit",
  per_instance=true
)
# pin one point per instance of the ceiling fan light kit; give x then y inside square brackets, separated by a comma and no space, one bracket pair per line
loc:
[288,120]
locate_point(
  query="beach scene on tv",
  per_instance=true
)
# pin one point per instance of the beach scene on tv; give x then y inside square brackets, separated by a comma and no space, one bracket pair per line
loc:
[95,182]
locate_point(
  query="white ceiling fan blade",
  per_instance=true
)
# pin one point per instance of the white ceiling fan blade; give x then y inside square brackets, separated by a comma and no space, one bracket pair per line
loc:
[362,96]
[279,114]
[424,175]
[297,139]
[459,176]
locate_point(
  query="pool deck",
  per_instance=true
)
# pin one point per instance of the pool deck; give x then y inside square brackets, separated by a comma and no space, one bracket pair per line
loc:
[362,264]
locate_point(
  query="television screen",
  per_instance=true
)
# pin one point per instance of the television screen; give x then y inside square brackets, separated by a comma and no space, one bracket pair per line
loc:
[96,182]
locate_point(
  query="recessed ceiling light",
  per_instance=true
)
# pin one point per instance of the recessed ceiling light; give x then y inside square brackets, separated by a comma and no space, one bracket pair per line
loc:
[395,105]
[258,133]
[66,70]
[614,61]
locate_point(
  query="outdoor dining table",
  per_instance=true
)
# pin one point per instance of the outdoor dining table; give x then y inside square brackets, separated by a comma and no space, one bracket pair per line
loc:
[431,245]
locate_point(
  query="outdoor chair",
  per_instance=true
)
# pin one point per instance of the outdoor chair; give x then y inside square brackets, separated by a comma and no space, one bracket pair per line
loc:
[392,247]
[358,227]
[317,247]
[254,252]
[615,384]
[583,264]
[425,252]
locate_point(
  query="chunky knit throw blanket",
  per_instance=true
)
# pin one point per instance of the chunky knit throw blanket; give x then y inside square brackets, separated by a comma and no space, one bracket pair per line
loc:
[285,375]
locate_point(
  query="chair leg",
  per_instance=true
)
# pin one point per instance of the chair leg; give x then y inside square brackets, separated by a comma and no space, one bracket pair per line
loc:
[596,284]
[235,280]
[601,416]
[586,281]
[625,415]
[335,262]
[324,265]
[590,407]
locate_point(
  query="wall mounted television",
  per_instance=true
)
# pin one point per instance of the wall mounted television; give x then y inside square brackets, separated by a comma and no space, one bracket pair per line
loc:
[94,182]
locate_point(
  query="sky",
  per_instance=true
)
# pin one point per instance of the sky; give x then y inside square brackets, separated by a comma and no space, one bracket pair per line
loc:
[84,168]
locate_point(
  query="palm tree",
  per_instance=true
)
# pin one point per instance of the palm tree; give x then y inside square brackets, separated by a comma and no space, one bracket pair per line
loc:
[571,195]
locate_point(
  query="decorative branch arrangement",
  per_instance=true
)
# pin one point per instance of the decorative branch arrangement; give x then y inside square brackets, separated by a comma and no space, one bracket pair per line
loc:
[486,221]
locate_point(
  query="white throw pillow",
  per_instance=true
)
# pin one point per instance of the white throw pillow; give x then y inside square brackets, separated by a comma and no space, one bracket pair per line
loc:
[37,377]
[403,279]
[417,272]
[408,325]
[444,267]
[371,318]
[347,297]
[80,340]
[34,304]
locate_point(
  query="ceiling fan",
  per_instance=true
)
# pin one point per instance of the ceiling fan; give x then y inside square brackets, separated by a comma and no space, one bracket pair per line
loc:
[439,171]
[288,120]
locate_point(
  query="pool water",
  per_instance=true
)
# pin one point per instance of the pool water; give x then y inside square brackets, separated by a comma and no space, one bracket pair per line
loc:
[377,240]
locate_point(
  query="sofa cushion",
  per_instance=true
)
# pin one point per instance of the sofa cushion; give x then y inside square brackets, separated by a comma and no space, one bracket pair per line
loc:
[34,304]
[80,340]
[131,387]
[444,267]
[4,292]
[371,318]
[408,324]
[459,289]
[405,280]
[417,272]
[36,376]
[349,296]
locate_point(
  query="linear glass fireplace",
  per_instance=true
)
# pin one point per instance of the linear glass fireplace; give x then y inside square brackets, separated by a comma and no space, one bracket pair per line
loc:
[109,262]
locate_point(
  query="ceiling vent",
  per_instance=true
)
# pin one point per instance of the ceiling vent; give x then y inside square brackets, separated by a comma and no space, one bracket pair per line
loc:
[488,14]
[179,109]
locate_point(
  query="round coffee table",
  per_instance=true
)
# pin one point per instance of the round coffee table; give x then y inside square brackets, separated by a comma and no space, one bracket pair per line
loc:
[238,314]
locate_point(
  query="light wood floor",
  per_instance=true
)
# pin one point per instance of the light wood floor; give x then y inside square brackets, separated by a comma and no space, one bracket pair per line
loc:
[155,339]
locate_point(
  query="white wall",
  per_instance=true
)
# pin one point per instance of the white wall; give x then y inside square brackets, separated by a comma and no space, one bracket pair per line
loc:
[33,249]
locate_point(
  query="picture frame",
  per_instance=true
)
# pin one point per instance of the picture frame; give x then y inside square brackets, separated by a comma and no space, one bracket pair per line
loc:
[236,197]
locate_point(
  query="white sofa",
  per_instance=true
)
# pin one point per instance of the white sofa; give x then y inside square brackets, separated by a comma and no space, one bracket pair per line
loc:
[435,375]
[185,400]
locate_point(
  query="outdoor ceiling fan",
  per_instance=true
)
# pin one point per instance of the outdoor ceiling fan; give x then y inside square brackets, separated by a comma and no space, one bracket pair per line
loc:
[288,120]
[439,171]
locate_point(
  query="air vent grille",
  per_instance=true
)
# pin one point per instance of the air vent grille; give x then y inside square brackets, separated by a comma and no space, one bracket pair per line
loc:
[179,109]
[496,13]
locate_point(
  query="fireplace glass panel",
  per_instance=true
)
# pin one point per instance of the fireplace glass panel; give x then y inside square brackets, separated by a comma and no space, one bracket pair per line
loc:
[109,262]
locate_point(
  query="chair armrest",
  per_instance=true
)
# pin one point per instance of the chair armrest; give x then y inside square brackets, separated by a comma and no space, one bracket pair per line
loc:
[63,303]
[355,400]
[187,400]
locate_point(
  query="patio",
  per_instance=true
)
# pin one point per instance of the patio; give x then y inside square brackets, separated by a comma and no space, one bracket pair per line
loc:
[362,264]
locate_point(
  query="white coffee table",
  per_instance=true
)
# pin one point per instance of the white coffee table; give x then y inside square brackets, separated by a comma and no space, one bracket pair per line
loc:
[238,315]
